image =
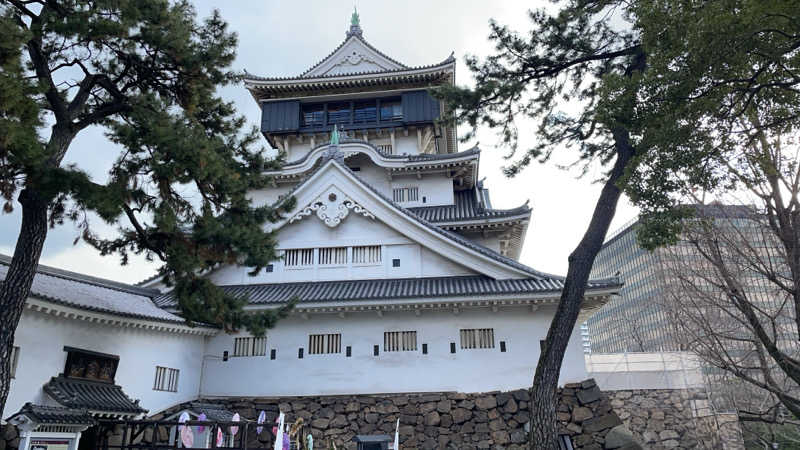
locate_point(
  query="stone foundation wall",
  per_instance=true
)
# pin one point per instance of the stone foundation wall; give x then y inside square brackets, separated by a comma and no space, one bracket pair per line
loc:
[664,419]
[595,420]
[494,420]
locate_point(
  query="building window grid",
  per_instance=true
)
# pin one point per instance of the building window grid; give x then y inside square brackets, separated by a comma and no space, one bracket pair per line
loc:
[367,254]
[405,194]
[324,343]
[477,338]
[333,256]
[400,341]
[249,346]
[328,256]
[166,379]
[298,257]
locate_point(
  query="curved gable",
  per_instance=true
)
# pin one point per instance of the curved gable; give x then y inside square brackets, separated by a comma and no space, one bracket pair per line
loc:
[320,198]
[353,56]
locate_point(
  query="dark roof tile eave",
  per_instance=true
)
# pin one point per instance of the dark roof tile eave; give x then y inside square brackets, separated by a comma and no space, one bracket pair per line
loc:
[61,302]
[397,288]
[91,395]
[254,80]
[88,279]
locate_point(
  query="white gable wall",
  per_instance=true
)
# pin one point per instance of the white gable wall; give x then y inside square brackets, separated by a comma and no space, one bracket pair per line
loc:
[355,230]
[42,337]
[353,57]
[476,370]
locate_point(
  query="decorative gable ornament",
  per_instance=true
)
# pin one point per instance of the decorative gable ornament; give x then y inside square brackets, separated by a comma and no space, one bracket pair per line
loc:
[331,208]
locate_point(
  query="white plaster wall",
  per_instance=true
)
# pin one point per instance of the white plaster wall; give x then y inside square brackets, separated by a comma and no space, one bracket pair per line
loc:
[491,240]
[296,149]
[355,230]
[436,188]
[406,145]
[371,173]
[465,371]
[42,337]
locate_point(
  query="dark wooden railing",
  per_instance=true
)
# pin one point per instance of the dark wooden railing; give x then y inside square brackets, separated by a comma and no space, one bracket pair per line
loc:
[165,434]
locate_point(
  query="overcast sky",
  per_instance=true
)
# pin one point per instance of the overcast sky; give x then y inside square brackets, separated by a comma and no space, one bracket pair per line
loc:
[283,38]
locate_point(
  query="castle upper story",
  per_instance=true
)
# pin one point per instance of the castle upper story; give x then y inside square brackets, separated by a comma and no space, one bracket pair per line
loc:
[362,91]
[391,136]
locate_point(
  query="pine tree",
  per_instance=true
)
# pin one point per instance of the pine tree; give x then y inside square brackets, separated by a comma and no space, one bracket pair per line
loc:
[148,73]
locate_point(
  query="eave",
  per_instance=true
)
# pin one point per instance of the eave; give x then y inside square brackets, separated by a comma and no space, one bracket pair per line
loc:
[59,310]
[269,88]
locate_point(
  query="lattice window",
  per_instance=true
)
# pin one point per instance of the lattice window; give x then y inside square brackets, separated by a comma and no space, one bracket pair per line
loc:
[406,194]
[477,338]
[249,346]
[14,360]
[368,254]
[324,343]
[333,256]
[298,257]
[400,341]
[166,379]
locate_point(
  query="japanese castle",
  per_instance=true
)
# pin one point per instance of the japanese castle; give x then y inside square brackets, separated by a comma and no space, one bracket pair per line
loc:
[407,277]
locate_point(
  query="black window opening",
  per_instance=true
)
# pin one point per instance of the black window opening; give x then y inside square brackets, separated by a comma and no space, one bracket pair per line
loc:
[339,113]
[396,262]
[365,112]
[391,110]
[313,115]
[90,365]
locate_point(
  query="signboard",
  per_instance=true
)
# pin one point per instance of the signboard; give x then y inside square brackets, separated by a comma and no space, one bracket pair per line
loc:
[50,444]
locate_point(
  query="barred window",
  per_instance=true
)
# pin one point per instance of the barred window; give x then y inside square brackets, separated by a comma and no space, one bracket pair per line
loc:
[400,341]
[405,194]
[477,338]
[166,379]
[14,359]
[333,256]
[324,343]
[249,346]
[298,257]
[368,254]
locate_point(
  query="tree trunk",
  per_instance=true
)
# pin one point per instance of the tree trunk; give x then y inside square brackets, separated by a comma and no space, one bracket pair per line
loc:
[15,288]
[544,426]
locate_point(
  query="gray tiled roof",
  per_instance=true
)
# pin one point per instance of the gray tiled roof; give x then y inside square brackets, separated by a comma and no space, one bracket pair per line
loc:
[54,415]
[399,288]
[93,294]
[91,395]
[465,208]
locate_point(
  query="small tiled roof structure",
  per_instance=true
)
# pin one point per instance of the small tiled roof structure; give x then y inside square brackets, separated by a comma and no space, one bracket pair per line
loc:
[54,415]
[93,294]
[466,208]
[95,396]
[398,288]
